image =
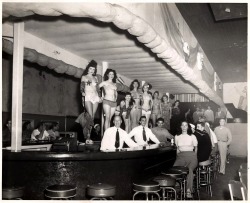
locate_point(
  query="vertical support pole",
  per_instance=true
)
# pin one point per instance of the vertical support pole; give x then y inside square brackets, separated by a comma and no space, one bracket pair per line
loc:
[104,68]
[17,87]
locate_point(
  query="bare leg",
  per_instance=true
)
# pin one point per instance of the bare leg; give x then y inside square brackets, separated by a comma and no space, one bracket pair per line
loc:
[153,116]
[134,118]
[95,106]
[147,118]
[107,112]
[125,122]
[89,108]
[112,112]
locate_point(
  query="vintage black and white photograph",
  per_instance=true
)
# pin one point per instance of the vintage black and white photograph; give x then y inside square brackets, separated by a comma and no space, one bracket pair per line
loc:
[124,101]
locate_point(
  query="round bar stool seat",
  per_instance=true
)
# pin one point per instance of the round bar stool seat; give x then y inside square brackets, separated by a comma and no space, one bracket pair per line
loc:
[179,173]
[60,192]
[167,184]
[146,187]
[12,193]
[174,173]
[182,169]
[165,180]
[101,191]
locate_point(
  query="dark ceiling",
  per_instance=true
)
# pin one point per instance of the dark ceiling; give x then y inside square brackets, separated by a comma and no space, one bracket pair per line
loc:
[221,30]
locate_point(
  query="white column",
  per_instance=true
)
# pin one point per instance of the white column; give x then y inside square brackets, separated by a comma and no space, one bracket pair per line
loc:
[105,66]
[17,87]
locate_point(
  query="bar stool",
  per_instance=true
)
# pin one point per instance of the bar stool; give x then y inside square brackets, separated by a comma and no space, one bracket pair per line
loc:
[101,191]
[196,188]
[180,179]
[204,175]
[184,170]
[12,193]
[146,187]
[214,166]
[60,192]
[167,184]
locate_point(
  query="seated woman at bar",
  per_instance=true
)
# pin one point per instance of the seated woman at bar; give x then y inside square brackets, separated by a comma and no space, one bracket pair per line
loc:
[156,109]
[40,133]
[186,144]
[124,110]
[136,95]
[110,95]
[89,88]
[147,102]
[53,131]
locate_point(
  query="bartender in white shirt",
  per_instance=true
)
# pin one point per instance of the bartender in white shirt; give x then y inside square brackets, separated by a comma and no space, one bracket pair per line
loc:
[143,134]
[114,137]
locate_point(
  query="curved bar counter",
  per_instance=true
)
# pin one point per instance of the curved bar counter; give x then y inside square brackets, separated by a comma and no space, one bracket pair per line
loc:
[37,170]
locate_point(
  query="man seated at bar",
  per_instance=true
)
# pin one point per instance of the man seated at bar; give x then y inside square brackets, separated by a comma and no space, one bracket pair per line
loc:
[204,143]
[40,133]
[114,137]
[53,131]
[161,133]
[143,134]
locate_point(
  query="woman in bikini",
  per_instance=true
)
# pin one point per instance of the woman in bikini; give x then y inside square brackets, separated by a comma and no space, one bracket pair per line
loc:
[166,107]
[176,117]
[156,110]
[124,110]
[147,102]
[137,96]
[89,89]
[110,95]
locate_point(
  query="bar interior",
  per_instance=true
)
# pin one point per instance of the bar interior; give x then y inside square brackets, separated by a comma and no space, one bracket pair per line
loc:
[124,101]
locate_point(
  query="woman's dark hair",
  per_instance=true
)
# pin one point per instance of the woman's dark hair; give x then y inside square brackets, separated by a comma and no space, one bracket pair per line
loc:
[106,75]
[154,94]
[164,96]
[132,101]
[189,130]
[92,63]
[131,87]
[176,102]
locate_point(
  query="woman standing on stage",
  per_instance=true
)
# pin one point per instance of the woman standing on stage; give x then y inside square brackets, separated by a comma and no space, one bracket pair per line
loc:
[175,120]
[147,102]
[137,96]
[110,95]
[166,107]
[89,89]
[156,109]
[125,109]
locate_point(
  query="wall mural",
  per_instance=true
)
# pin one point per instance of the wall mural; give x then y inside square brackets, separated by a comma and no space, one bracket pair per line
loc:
[236,93]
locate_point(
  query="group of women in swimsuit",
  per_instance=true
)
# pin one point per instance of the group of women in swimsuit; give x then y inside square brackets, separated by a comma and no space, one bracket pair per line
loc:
[137,102]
